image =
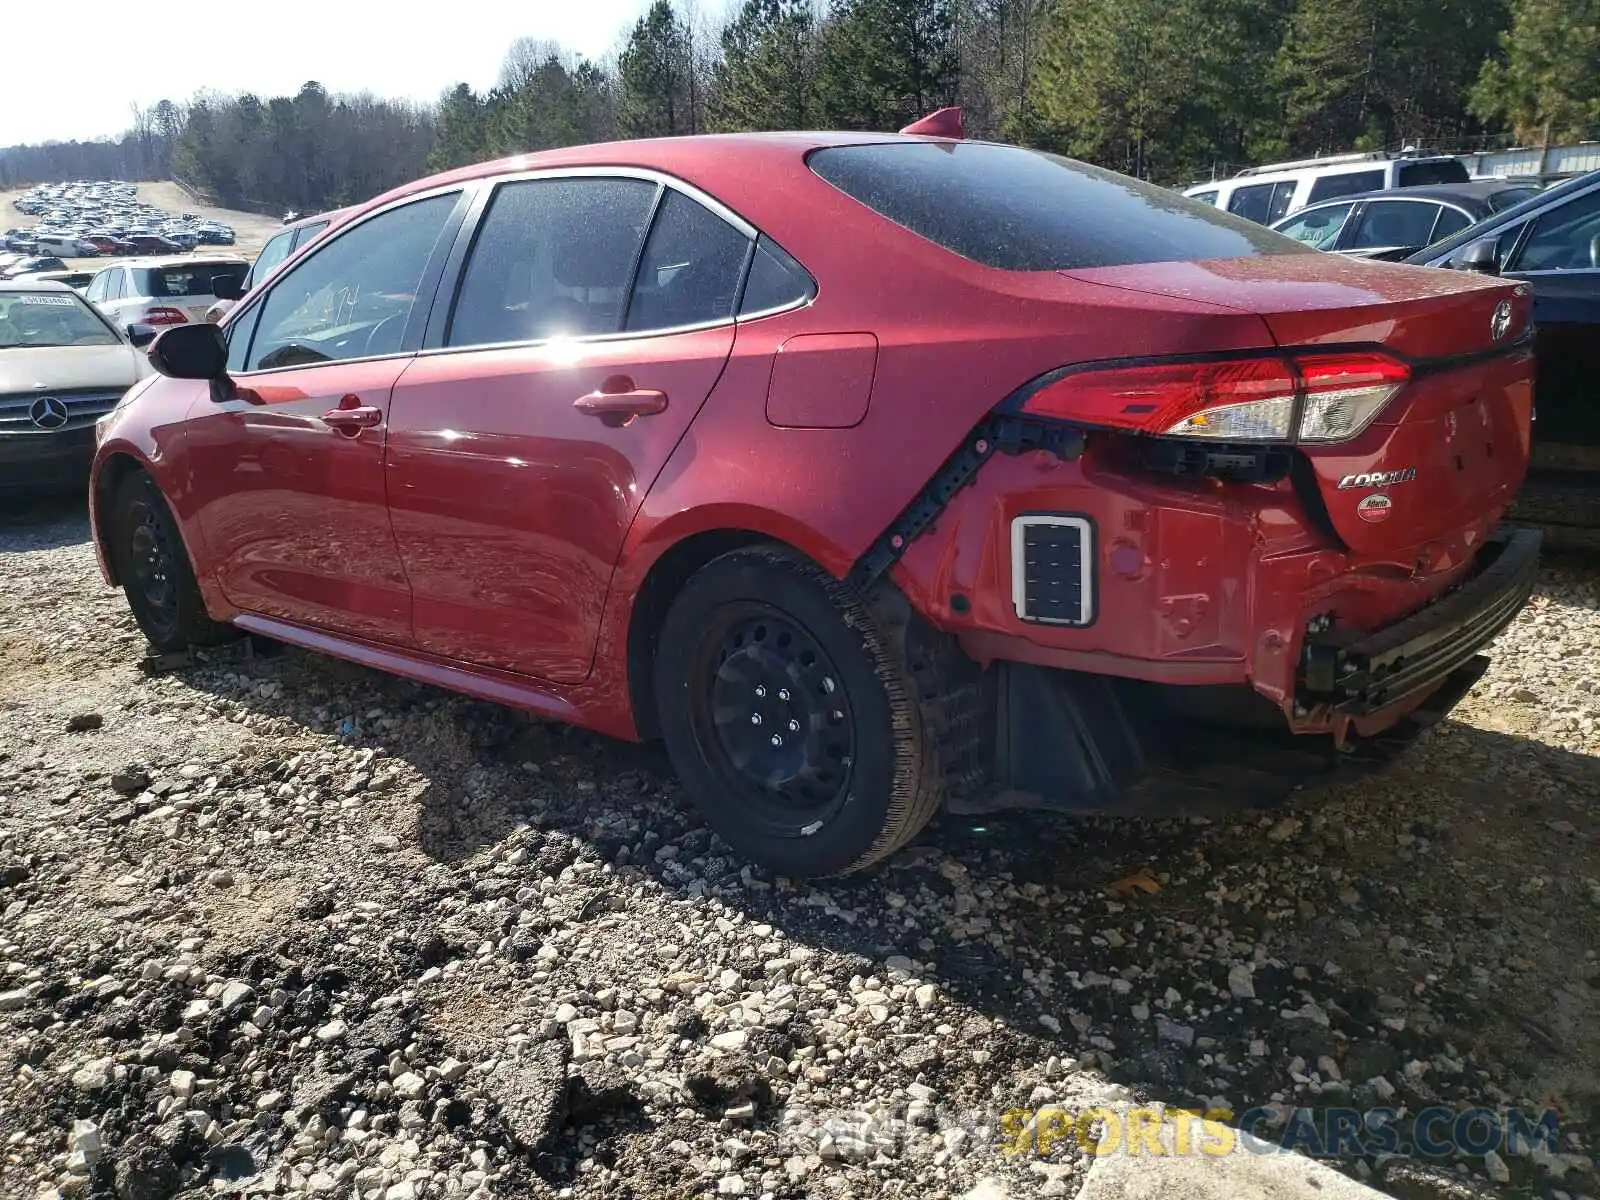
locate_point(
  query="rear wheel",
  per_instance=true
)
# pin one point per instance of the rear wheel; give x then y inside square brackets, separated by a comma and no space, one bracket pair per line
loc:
[789,718]
[155,571]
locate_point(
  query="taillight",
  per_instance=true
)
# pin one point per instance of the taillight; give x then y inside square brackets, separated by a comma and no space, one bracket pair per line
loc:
[163,316]
[1300,397]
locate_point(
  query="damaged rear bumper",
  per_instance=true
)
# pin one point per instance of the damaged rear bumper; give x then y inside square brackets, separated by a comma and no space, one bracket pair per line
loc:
[1359,675]
[1075,742]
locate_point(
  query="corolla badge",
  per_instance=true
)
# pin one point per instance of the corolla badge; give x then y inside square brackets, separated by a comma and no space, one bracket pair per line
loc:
[1500,322]
[1377,479]
[47,413]
[1375,508]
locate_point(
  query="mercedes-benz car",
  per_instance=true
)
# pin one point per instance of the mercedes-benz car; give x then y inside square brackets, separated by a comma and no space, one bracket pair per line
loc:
[62,366]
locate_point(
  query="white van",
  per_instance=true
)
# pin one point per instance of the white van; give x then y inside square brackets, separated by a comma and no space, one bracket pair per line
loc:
[1269,193]
[64,246]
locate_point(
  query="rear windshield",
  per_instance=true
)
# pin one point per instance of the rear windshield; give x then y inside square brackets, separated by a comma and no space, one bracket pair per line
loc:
[1510,198]
[190,279]
[1424,174]
[1021,210]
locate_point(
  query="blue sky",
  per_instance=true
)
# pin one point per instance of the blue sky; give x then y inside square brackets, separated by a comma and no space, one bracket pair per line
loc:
[82,86]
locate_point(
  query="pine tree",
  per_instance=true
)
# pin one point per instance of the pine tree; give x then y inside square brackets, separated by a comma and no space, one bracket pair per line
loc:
[887,62]
[1368,74]
[766,76]
[1548,82]
[655,77]
[462,136]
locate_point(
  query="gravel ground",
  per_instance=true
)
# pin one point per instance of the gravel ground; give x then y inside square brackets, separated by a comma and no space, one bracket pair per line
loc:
[282,926]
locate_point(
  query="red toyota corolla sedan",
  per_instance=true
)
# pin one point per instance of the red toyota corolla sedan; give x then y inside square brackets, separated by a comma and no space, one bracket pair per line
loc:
[870,472]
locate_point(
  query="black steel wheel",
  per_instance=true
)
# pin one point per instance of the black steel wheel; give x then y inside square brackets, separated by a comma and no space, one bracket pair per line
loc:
[773,718]
[789,718]
[154,569]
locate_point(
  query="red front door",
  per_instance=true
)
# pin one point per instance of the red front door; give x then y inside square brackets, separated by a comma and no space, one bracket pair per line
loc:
[513,480]
[290,484]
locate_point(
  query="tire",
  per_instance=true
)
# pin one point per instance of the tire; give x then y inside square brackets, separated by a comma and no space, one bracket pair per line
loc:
[156,574]
[857,774]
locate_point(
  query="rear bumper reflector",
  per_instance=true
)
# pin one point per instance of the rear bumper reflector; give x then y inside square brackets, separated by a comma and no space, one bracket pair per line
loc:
[1052,568]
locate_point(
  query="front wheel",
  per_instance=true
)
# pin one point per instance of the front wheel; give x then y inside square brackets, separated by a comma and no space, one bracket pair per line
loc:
[789,719]
[156,574]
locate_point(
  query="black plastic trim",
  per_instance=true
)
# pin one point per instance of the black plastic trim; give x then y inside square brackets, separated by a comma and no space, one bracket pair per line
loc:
[1363,674]
[1005,433]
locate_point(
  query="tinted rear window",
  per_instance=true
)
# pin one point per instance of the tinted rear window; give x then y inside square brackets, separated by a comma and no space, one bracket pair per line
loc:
[190,279]
[1422,174]
[1021,210]
[1510,198]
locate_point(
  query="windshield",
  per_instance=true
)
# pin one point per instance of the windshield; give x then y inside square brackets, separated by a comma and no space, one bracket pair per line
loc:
[33,319]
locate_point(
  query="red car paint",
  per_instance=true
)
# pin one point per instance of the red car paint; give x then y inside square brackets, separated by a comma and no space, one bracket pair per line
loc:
[491,534]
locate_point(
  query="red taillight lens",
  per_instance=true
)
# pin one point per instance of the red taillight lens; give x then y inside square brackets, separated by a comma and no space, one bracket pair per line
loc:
[1288,398]
[164,316]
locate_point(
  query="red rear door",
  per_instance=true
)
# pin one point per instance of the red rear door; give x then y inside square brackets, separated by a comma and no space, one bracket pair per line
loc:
[520,450]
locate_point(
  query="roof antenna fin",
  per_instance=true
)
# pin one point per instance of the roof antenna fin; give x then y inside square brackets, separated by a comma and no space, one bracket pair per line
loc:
[943,122]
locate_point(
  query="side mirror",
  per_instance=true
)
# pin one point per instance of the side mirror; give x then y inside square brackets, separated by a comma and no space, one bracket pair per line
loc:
[141,335]
[1482,258]
[226,287]
[194,351]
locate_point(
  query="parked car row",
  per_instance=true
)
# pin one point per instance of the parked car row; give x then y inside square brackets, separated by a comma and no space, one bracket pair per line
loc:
[1270,192]
[86,220]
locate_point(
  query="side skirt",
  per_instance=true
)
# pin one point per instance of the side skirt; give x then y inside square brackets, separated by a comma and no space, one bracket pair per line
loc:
[482,683]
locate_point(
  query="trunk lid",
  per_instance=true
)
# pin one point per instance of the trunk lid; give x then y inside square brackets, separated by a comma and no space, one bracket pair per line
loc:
[1452,446]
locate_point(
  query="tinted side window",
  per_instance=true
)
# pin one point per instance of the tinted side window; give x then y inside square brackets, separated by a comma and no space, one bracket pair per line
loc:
[1204,197]
[1394,223]
[552,258]
[1021,210]
[775,281]
[1349,183]
[1567,238]
[1451,220]
[1282,197]
[238,333]
[1253,203]
[350,298]
[691,267]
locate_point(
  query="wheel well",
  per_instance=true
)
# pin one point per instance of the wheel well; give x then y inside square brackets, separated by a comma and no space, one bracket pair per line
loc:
[112,472]
[660,588]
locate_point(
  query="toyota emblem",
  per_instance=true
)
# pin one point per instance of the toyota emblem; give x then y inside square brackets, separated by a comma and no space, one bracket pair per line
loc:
[47,413]
[1500,322]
